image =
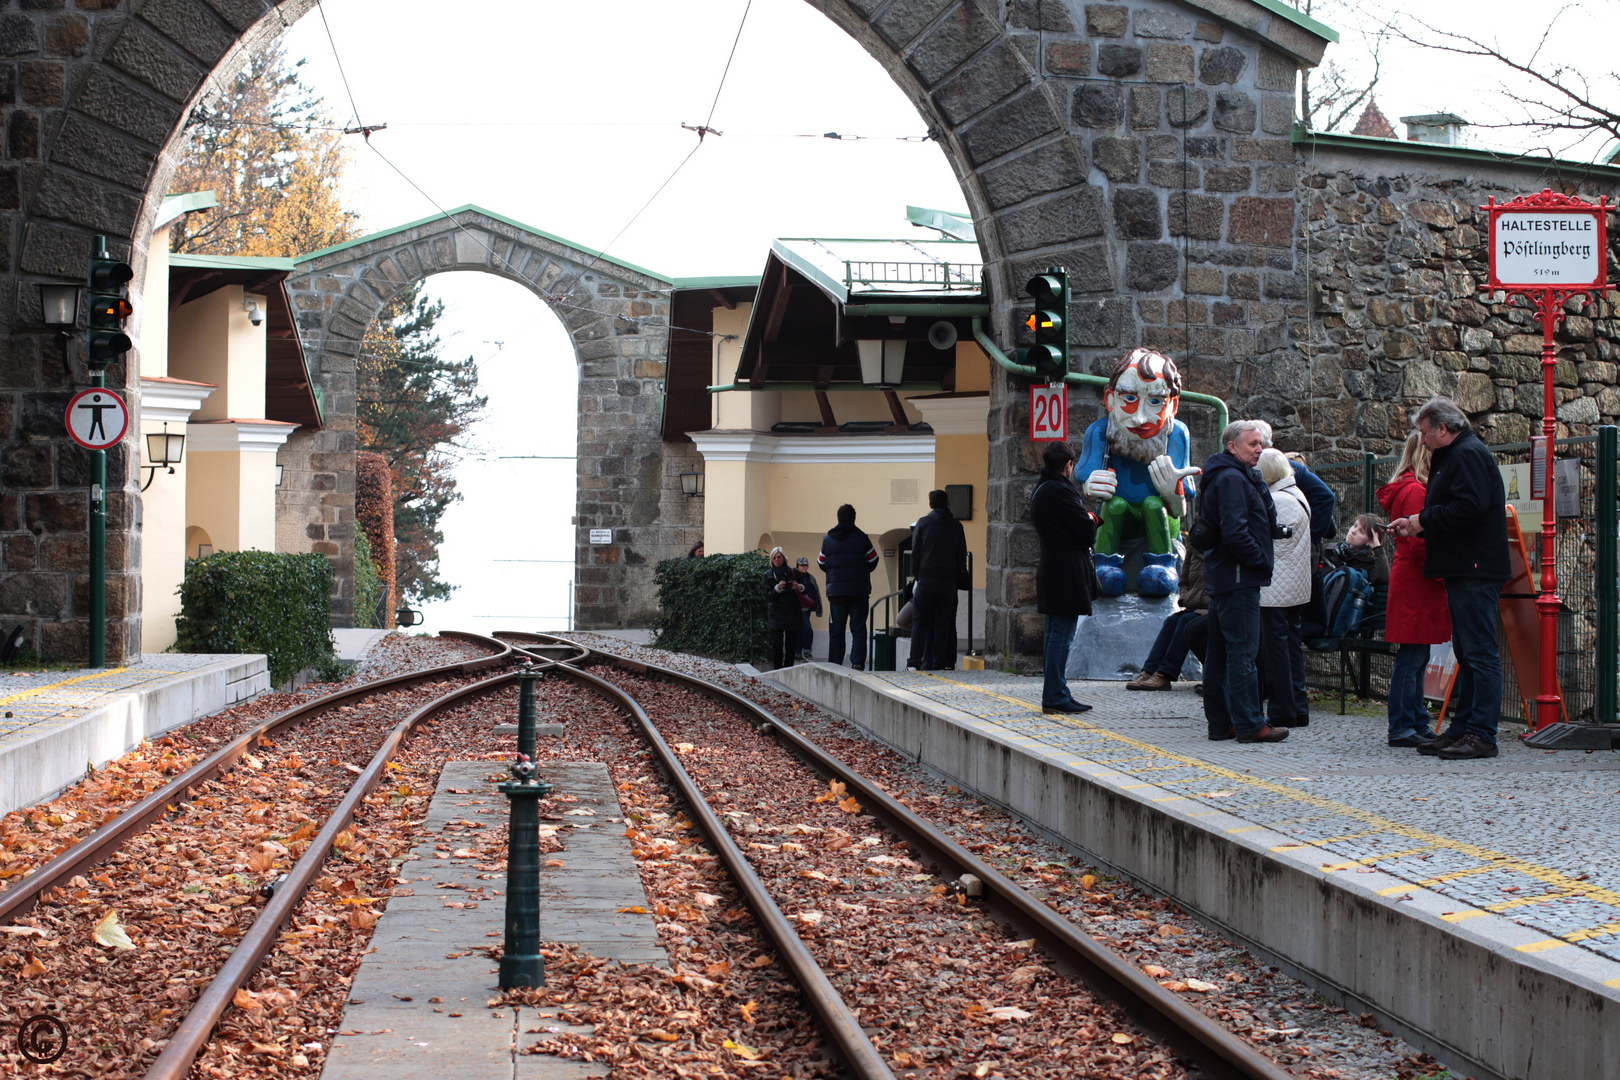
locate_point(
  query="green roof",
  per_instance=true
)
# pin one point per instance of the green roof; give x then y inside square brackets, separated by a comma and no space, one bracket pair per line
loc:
[1371,143]
[175,205]
[470,207]
[234,262]
[721,282]
[1299,18]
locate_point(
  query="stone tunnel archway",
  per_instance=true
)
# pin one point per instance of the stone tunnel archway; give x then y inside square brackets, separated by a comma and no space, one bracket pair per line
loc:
[617,316]
[1029,102]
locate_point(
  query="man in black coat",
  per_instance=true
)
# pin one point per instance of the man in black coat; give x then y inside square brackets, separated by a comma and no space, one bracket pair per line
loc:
[1464,526]
[847,558]
[1065,580]
[938,563]
[1236,520]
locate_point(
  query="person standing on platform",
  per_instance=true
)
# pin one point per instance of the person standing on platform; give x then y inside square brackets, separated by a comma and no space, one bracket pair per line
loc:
[1283,601]
[848,559]
[782,591]
[939,563]
[1065,579]
[809,604]
[1415,614]
[1237,524]
[1463,524]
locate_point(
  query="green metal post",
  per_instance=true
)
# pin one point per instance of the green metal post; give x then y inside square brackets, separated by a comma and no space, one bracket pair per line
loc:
[98,516]
[1607,505]
[521,962]
[1369,485]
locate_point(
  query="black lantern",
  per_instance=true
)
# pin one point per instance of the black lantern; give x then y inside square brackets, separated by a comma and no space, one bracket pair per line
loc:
[883,362]
[59,300]
[162,449]
[692,484]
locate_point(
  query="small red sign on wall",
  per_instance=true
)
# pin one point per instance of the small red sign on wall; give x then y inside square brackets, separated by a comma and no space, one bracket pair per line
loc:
[1048,413]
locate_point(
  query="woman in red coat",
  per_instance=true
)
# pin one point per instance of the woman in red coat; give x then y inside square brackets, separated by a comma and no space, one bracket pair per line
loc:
[1416,614]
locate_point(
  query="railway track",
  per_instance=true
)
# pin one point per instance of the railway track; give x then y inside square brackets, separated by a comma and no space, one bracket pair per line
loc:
[292,776]
[1203,1046]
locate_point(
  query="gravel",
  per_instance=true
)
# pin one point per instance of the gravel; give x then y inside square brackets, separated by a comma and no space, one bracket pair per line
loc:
[1302,1031]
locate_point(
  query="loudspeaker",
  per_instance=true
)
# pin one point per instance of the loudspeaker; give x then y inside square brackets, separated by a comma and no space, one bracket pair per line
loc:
[942,335]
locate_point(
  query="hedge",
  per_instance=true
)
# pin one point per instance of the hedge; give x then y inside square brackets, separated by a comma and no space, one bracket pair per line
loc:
[259,602]
[367,585]
[374,512]
[713,606]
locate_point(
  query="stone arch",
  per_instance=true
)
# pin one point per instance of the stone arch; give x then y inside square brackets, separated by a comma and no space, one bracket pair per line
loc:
[1047,111]
[616,315]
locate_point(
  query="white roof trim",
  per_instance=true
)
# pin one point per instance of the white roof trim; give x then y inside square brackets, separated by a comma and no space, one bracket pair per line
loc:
[758,446]
[169,402]
[238,436]
[954,416]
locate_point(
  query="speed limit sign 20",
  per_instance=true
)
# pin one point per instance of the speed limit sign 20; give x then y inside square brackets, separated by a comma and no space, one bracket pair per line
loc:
[1048,413]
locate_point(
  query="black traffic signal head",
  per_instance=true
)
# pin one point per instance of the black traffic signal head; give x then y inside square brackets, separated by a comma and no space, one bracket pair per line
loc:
[109,306]
[1050,354]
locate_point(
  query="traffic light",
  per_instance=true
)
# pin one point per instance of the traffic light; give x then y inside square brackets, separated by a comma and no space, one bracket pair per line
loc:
[109,305]
[1050,354]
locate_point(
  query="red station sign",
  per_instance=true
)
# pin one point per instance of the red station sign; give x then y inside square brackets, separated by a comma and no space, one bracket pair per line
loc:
[1549,248]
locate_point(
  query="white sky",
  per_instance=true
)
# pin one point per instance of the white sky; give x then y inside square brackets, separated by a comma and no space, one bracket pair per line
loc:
[574,127]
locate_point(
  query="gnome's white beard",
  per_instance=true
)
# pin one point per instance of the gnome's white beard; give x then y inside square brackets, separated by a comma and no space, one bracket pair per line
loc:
[1123,444]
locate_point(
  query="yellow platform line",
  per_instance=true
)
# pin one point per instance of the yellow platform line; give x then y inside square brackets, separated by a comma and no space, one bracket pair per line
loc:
[1376,823]
[57,685]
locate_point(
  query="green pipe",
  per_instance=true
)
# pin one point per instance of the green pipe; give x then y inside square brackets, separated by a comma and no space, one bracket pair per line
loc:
[1607,697]
[958,310]
[1075,378]
[834,388]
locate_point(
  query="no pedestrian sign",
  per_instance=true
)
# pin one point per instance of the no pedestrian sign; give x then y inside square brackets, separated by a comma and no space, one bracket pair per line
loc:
[97,418]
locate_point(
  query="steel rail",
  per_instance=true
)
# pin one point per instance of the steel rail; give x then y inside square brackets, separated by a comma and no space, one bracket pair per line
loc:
[836,1020]
[194,1031]
[1218,1052]
[100,845]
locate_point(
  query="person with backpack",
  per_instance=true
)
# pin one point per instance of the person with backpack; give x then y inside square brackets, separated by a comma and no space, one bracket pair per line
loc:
[1285,598]
[1415,614]
[1464,527]
[847,558]
[1237,526]
[1356,583]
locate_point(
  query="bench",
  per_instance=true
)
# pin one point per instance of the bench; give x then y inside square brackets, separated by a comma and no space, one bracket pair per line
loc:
[1365,638]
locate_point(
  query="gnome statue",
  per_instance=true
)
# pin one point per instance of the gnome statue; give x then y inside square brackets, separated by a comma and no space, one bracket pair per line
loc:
[1134,461]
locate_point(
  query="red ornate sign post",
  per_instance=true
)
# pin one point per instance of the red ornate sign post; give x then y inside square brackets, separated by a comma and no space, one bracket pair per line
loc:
[1549,248]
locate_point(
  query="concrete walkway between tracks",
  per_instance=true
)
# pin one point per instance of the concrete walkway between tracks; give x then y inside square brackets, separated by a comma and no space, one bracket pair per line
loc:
[1473,906]
[54,722]
[418,1007]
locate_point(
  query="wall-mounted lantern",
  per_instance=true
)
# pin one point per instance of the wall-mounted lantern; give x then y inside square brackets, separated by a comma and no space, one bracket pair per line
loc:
[281,470]
[162,449]
[883,362]
[692,484]
[59,300]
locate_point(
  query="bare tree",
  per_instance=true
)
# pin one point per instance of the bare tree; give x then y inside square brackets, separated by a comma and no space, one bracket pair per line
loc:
[1339,92]
[1552,96]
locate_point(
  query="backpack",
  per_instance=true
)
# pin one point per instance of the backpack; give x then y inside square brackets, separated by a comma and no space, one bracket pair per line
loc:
[1346,595]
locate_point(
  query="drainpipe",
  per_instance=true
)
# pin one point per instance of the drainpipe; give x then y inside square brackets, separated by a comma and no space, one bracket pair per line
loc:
[1075,378]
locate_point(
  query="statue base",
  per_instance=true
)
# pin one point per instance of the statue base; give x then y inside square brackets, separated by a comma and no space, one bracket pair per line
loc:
[1112,642]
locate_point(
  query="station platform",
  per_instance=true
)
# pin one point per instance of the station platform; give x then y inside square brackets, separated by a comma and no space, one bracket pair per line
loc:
[1473,907]
[53,722]
[417,1008]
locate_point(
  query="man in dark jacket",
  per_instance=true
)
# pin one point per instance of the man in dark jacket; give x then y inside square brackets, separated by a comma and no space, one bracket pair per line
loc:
[1464,527]
[1065,579]
[847,558]
[938,562]
[1235,512]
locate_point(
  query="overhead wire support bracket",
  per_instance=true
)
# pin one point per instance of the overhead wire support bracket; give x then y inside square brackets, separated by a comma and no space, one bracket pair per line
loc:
[365,129]
[702,130]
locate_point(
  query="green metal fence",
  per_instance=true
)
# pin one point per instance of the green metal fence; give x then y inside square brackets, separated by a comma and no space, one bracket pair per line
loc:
[1585,555]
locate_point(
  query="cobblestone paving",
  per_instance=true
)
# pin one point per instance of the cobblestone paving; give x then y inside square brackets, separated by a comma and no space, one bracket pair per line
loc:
[1526,835]
[35,702]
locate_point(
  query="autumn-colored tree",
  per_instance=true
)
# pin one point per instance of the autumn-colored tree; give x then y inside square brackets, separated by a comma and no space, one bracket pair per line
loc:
[412,409]
[267,148]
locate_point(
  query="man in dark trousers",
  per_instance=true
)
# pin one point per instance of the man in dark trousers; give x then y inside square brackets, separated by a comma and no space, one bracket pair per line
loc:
[847,558]
[1065,580]
[1236,523]
[1464,527]
[938,564]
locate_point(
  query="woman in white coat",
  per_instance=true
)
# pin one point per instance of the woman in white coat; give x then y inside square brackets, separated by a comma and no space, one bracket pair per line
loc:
[1282,602]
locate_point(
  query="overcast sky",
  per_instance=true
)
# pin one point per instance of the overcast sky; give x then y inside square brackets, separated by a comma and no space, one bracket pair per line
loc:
[567,117]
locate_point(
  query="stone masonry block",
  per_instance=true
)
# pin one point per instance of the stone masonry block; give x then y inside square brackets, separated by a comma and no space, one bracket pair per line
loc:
[144,56]
[1222,65]
[1229,178]
[1099,105]
[67,35]
[1275,71]
[1120,61]
[41,81]
[1068,58]
[904,20]
[1261,221]
[1151,267]
[1137,215]
[1073,215]
[1090,266]
[1186,108]
[1118,159]
[1145,108]
[1197,216]
[1098,323]
[63,196]
[125,108]
[1041,15]
[1177,175]
[1019,122]
[1157,23]
[964,31]
[191,26]
[1205,281]
[1169,63]
[1038,171]
[992,76]
[18,36]
[1107,20]
[1234,112]
[1276,113]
